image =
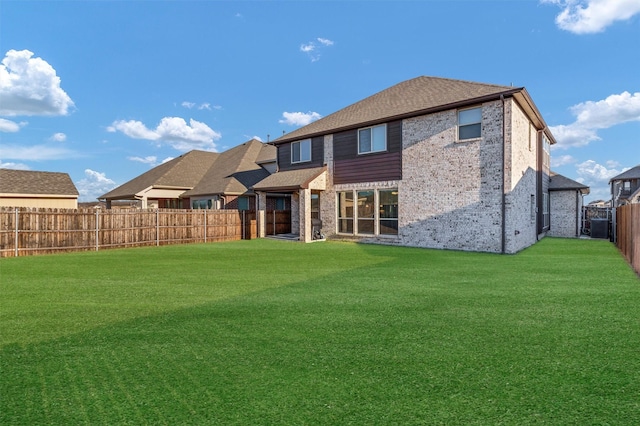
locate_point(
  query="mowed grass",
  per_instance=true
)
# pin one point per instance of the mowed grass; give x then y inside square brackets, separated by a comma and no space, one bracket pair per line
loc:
[268,332]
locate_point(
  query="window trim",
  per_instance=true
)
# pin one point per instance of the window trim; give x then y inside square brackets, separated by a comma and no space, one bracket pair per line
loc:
[372,151]
[355,216]
[299,143]
[458,126]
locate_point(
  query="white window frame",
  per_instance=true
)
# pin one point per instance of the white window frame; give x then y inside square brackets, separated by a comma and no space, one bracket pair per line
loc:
[474,123]
[299,144]
[372,150]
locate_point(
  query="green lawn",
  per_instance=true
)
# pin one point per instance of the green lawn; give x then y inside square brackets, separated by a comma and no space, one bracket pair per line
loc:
[270,332]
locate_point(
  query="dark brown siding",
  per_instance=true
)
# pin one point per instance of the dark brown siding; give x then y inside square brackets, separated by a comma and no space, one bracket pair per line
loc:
[317,156]
[372,168]
[349,167]
[345,144]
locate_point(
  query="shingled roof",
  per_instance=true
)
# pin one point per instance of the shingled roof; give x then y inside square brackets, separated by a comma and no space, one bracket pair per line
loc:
[184,172]
[558,182]
[289,180]
[632,173]
[235,170]
[28,182]
[202,172]
[418,96]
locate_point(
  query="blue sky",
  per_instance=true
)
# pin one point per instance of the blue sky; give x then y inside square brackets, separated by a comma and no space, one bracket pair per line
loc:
[105,90]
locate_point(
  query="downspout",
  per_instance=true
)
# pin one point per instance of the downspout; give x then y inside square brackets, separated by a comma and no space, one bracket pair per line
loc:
[503,207]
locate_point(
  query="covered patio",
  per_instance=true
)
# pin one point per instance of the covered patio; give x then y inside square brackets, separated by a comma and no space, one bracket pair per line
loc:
[305,187]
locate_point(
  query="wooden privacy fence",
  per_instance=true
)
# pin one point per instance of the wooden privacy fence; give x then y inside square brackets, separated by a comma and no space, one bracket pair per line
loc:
[26,231]
[628,233]
[278,222]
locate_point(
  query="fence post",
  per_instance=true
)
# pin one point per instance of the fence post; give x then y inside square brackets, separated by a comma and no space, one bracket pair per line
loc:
[16,239]
[205,224]
[157,227]
[97,229]
[244,236]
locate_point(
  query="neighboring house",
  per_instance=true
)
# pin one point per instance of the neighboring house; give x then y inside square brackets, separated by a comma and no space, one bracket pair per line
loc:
[625,188]
[26,188]
[429,162]
[201,180]
[566,200]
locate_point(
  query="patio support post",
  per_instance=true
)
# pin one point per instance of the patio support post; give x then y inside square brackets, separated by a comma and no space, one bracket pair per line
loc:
[305,215]
[260,213]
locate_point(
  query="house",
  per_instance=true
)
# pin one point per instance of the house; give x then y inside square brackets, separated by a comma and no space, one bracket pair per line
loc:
[429,162]
[566,200]
[625,187]
[27,188]
[202,179]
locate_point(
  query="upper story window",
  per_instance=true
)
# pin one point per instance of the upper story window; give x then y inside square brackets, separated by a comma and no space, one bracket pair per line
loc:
[301,151]
[372,139]
[546,147]
[469,123]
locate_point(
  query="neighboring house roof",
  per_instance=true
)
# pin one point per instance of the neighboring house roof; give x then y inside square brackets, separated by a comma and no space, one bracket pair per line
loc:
[289,180]
[236,170]
[202,172]
[27,182]
[632,173]
[184,172]
[418,96]
[558,182]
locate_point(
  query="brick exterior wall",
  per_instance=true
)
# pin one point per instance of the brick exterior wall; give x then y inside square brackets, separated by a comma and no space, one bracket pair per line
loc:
[565,217]
[450,196]
[451,193]
[520,179]
[328,198]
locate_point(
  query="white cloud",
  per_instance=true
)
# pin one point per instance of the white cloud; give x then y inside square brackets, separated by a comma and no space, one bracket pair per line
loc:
[35,153]
[204,105]
[310,47]
[14,166]
[299,118]
[30,86]
[58,137]
[313,48]
[167,160]
[94,185]
[9,126]
[591,171]
[174,130]
[151,160]
[562,160]
[593,16]
[134,129]
[597,176]
[325,41]
[592,116]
